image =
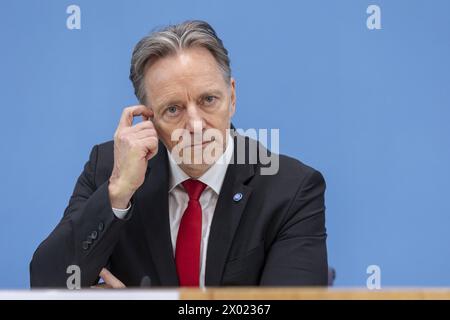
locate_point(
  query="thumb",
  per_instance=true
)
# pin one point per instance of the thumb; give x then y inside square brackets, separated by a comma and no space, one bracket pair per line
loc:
[111,280]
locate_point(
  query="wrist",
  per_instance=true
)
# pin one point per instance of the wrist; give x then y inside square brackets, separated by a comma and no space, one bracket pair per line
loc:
[119,194]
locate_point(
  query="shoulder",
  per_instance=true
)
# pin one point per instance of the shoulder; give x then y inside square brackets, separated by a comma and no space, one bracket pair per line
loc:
[102,159]
[106,148]
[293,167]
[289,173]
[280,167]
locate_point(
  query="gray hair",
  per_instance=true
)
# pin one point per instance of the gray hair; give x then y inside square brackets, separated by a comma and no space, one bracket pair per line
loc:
[171,40]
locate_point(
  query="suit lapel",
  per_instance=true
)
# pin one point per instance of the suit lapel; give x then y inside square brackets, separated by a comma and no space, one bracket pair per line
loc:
[153,207]
[227,216]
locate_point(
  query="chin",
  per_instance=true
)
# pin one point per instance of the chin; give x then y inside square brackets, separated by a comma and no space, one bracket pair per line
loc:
[195,170]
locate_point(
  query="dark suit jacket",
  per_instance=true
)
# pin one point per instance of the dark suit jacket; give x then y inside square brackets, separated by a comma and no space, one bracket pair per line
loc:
[275,235]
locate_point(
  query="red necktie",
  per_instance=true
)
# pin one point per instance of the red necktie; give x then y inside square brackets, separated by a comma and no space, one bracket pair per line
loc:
[187,252]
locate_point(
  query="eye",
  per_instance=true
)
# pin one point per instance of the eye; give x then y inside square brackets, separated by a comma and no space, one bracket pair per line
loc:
[172,110]
[208,100]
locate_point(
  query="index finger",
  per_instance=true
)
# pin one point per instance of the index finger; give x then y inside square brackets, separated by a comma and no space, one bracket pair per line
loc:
[126,120]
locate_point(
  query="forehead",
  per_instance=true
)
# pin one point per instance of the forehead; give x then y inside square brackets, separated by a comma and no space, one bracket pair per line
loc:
[192,70]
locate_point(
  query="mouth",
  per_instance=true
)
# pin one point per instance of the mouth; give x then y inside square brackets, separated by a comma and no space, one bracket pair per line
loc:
[203,144]
[197,145]
[199,142]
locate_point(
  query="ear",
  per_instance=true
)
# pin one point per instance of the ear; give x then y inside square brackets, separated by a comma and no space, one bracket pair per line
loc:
[233,96]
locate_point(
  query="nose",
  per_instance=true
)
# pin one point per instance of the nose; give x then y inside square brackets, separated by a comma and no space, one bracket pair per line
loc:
[195,122]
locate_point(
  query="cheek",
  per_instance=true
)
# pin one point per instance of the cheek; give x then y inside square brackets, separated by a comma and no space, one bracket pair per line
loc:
[164,132]
[222,113]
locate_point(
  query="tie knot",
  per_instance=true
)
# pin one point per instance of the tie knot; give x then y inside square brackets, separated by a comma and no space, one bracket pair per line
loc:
[194,188]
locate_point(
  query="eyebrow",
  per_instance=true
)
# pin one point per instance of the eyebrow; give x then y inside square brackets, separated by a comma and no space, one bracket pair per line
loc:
[171,101]
[214,92]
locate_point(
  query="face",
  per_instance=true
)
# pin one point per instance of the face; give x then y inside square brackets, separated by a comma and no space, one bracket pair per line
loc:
[188,93]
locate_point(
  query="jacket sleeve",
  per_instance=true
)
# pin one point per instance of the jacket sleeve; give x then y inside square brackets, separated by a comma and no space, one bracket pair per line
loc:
[298,256]
[85,236]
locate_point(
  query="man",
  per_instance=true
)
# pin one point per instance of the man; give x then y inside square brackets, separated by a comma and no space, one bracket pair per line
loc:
[140,216]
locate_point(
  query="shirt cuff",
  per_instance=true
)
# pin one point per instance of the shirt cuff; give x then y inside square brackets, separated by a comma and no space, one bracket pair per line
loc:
[121,213]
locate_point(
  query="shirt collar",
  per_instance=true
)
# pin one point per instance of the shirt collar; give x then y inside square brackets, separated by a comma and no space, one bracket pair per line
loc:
[213,177]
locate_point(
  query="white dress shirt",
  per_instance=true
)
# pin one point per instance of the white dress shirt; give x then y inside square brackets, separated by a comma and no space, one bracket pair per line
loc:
[178,199]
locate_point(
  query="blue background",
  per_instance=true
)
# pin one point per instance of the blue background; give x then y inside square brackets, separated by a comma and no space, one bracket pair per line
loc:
[369,108]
